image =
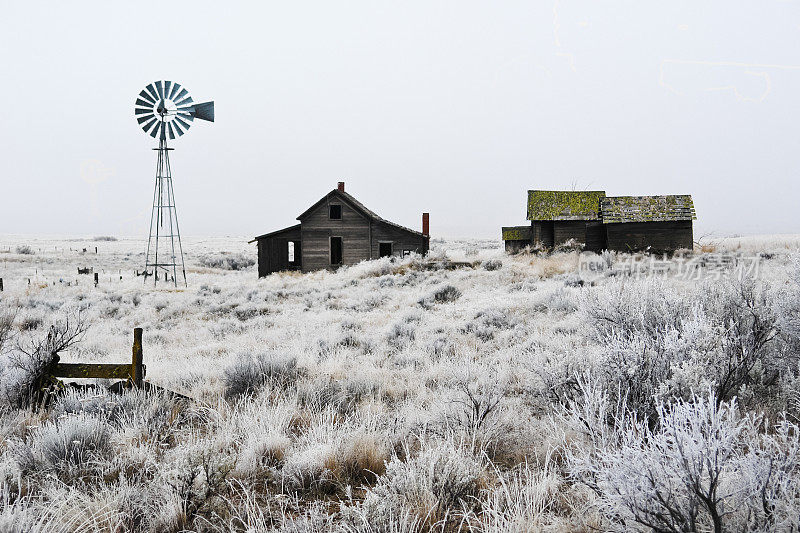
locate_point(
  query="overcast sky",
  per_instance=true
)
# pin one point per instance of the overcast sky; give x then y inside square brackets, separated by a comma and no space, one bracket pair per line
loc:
[457,108]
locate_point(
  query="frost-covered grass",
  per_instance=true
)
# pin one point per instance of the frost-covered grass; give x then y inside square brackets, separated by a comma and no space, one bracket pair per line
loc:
[396,396]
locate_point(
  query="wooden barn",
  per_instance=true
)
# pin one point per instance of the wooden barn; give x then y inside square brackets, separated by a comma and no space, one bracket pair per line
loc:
[654,223]
[337,230]
[600,222]
[558,216]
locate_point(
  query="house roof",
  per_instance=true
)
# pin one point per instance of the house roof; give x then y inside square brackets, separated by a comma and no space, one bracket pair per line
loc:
[517,233]
[358,206]
[564,205]
[296,227]
[647,208]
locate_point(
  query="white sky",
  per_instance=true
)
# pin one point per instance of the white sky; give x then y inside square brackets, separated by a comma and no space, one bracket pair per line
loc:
[457,108]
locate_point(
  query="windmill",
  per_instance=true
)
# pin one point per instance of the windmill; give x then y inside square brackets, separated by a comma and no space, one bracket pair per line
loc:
[165,109]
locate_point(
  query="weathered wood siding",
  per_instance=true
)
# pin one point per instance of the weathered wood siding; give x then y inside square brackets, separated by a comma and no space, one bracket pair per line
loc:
[564,230]
[273,252]
[595,236]
[402,240]
[513,247]
[659,236]
[318,228]
[542,231]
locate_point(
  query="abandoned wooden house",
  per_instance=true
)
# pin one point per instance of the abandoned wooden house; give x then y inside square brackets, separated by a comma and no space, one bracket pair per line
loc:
[337,230]
[600,222]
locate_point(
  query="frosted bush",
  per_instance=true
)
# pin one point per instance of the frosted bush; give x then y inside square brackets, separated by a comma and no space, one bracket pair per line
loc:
[227,261]
[67,445]
[250,372]
[24,249]
[522,501]
[442,295]
[703,468]
[492,264]
[437,484]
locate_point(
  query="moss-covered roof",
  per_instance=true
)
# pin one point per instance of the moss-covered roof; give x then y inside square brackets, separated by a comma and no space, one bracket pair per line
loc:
[517,233]
[647,208]
[564,205]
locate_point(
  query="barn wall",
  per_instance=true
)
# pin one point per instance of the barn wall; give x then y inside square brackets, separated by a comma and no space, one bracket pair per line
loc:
[513,247]
[317,229]
[542,231]
[564,230]
[595,236]
[401,239]
[659,236]
[273,252]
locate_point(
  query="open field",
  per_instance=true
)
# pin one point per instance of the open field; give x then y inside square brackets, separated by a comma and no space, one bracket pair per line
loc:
[524,394]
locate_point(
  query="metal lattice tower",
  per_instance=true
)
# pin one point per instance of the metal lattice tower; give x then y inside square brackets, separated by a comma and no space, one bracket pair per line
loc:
[163,109]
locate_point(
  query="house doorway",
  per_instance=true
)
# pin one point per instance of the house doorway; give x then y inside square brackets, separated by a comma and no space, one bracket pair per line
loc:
[336,250]
[384,249]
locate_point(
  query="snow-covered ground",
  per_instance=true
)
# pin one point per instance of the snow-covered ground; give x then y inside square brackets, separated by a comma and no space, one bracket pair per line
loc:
[399,395]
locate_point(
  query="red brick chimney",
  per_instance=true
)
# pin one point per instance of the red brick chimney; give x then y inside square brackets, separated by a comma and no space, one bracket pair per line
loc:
[341,186]
[426,224]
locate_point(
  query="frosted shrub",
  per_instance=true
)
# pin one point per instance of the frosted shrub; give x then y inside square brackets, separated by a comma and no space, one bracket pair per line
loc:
[341,395]
[22,369]
[492,264]
[656,344]
[705,468]
[249,373]
[433,486]
[521,501]
[24,249]
[486,322]
[401,334]
[67,445]
[226,261]
[106,238]
[442,295]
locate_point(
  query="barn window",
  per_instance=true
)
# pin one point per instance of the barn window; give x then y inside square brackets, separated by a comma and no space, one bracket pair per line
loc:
[384,249]
[406,253]
[336,250]
[335,212]
[291,251]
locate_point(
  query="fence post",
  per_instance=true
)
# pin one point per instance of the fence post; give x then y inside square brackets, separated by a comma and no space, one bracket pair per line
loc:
[96,279]
[1,284]
[136,363]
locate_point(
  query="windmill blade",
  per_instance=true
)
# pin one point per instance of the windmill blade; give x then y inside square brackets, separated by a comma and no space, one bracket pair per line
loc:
[183,92]
[175,87]
[204,111]
[187,116]
[155,131]
[187,100]
[153,93]
[142,110]
[177,128]
[183,123]
[147,98]
[160,89]
[144,103]
[171,133]
[149,125]
[145,118]
[167,88]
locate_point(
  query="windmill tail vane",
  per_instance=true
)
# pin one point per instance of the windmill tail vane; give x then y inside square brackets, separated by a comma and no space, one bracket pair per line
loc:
[165,110]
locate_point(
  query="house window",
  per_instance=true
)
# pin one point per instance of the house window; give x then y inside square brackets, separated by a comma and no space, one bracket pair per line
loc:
[406,253]
[335,212]
[384,249]
[336,250]
[291,251]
